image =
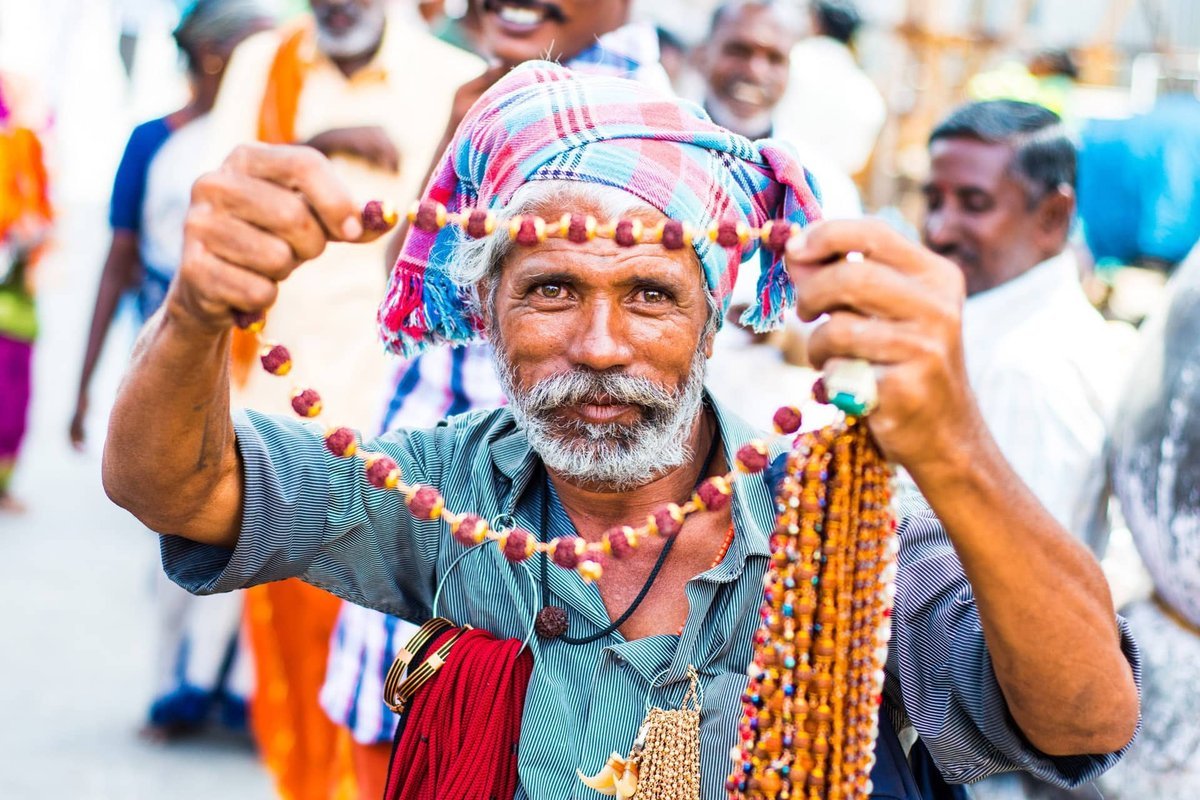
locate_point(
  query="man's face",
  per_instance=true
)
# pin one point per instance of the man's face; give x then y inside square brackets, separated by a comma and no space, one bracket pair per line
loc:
[978,214]
[602,350]
[348,29]
[746,66]
[522,30]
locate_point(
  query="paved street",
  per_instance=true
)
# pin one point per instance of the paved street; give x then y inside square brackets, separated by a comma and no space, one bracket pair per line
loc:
[76,628]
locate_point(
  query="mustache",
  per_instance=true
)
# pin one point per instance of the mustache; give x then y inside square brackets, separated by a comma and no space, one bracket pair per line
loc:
[549,11]
[582,386]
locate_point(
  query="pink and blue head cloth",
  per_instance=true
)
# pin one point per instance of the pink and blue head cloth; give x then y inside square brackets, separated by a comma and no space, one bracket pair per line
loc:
[545,122]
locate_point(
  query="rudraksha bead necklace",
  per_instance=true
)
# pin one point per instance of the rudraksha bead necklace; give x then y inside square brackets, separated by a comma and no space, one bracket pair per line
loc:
[518,544]
[811,708]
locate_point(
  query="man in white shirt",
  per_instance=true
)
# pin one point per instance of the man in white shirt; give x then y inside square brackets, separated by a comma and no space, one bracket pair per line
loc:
[1044,364]
[831,105]
[1046,368]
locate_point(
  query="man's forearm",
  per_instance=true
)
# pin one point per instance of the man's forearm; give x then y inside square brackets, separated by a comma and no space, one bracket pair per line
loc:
[1044,605]
[170,457]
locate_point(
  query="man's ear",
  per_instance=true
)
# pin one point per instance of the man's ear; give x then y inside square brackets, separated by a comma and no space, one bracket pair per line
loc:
[1055,213]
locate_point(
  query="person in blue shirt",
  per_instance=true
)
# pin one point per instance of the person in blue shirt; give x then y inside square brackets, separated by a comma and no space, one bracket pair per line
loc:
[198,668]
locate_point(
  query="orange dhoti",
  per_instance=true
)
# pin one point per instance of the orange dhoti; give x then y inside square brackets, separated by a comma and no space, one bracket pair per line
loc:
[289,625]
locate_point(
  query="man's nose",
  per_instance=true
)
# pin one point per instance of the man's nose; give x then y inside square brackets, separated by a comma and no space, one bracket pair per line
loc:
[601,342]
[939,229]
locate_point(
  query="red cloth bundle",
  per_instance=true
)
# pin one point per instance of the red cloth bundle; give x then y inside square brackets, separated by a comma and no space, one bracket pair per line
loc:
[459,737]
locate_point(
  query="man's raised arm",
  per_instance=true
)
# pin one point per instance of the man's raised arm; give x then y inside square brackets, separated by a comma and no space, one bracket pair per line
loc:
[170,457]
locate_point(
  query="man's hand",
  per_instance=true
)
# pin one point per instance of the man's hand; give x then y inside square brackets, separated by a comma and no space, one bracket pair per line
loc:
[368,142]
[900,309]
[1043,603]
[251,223]
[78,432]
[170,457]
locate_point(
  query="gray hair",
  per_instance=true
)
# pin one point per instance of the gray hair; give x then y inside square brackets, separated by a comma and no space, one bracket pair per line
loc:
[477,262]
[218,22]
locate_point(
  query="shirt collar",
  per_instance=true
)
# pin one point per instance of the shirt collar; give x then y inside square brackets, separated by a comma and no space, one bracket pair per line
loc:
[987,315]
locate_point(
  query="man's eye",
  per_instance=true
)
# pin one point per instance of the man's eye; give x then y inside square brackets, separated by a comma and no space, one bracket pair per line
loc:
[653,296]
[550,291]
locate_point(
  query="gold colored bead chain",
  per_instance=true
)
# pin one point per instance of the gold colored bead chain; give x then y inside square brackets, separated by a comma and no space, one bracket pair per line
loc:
[814,686]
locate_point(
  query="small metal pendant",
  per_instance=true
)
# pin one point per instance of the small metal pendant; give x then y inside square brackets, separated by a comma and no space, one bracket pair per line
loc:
[551,622]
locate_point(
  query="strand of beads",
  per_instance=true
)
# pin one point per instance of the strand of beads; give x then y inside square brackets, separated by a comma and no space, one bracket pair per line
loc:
[567,552]
[812,702]
[518,544]
[528,230]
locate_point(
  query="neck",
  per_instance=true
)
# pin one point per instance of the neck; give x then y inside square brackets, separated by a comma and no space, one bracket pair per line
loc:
[595,509]
[204,94]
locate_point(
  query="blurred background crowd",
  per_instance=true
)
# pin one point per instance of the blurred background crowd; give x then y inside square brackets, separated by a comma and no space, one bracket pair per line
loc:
[1051,148]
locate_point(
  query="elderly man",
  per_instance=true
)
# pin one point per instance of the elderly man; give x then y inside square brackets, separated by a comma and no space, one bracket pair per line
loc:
[1045,366]
[1000,663]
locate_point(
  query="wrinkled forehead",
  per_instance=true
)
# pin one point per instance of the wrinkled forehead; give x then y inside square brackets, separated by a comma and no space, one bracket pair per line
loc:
[557,202]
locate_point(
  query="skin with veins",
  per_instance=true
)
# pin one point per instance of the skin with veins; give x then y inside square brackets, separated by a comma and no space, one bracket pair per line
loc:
[978,214]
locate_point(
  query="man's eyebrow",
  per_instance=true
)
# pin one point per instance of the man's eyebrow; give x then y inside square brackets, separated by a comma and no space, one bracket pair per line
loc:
[546,276]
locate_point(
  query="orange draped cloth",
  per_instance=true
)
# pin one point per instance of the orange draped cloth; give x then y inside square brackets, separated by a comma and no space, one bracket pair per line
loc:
[290,623]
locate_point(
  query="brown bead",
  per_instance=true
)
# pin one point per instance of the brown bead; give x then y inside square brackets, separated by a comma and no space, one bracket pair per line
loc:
[517,545]
[621,541]
[469,530]
[276,360]
[382,472]
[777,237]
[714,494]
[306,402]
[667,521]
[425,503]
[430,217]
[752,458]
[729,233]
[673,235]
[341,442]
[787,420]
[480,223]
[820,392]
[628,232]
[567,551]
[529,231]
[581,228]
[551,622]
[250,321]
[378,217]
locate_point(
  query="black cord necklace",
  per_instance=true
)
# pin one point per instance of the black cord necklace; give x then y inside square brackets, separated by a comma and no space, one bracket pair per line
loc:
[551,622]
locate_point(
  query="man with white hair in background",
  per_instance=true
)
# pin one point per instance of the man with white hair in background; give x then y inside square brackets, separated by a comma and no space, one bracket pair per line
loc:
[370,90]
[745,63]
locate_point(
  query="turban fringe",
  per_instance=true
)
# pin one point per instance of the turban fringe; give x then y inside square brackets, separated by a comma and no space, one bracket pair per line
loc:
[544,122]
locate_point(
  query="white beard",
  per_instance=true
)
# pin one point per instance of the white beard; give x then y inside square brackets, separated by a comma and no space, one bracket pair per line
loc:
[362,38]
[614,456]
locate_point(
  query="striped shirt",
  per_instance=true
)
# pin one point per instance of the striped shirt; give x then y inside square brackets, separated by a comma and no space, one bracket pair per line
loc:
[310,515]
